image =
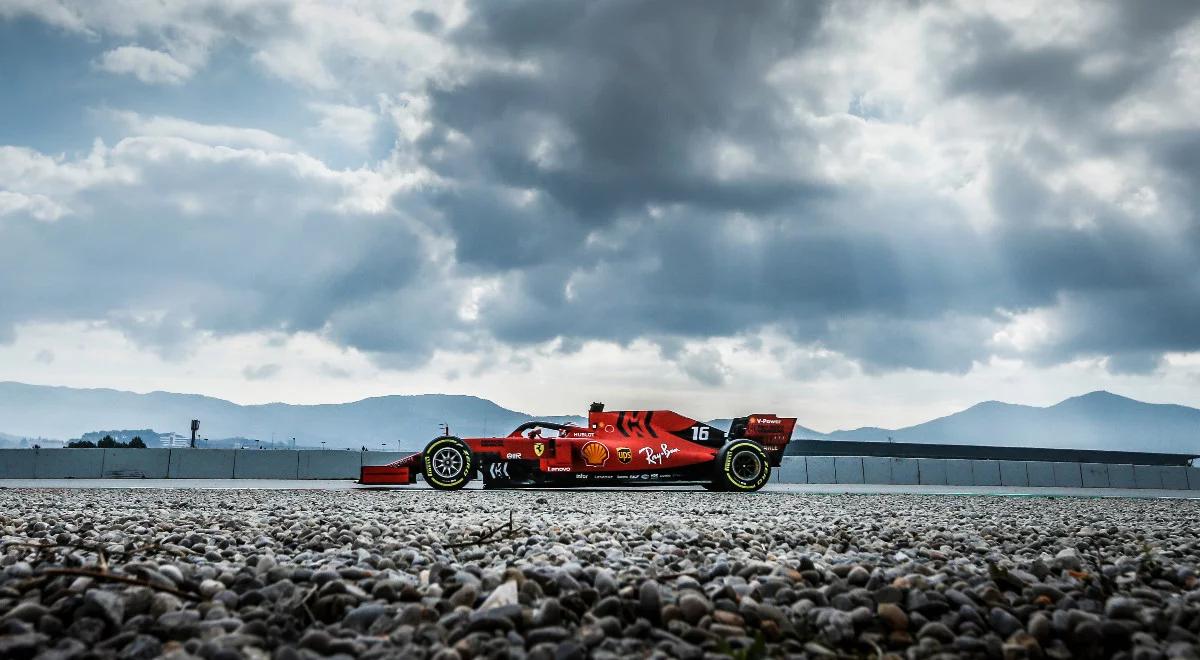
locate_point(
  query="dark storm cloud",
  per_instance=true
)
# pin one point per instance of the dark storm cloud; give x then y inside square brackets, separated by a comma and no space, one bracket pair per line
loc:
[496,232]
[1051,75]
[1124,287]
[635,96]
[1133,44]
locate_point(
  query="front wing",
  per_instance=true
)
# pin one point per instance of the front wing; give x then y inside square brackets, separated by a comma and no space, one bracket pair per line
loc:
[397,473]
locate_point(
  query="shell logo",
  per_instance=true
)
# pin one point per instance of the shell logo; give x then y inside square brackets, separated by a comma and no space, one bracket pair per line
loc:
[594,454]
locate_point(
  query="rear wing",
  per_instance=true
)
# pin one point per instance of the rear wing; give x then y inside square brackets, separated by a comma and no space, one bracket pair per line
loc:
[771,432]
[767,430]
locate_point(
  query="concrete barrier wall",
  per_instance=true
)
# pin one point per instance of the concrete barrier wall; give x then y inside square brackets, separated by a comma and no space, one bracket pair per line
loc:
[1040,474]
[820,470]
[136,463]
[17,464]
[848,469]
[1095,475]
[266,465]
[1014,473]
[201,463]
[931,471]
[1147,476]
[793,470]
[985,473]
[1193,477]
[329,464]
[958,472]
[877,470]
[69,464]
[905,471]
[1068,475]
[1121,476]
[1174,478]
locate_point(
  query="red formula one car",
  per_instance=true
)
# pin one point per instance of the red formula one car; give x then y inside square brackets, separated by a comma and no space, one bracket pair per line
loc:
[617,447]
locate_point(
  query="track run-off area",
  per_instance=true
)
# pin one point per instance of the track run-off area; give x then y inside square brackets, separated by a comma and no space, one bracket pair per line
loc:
[305,569]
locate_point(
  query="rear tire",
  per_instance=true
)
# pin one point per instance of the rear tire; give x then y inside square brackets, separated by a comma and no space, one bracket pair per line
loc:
[742,466]
[449,464]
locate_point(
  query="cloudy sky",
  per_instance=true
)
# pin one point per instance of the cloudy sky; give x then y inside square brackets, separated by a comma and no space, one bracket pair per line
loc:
[858,213]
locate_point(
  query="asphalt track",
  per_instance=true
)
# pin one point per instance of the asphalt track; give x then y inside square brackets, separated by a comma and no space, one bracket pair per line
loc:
[344,484]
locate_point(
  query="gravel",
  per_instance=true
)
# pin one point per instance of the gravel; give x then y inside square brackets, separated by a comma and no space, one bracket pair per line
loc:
[372,574]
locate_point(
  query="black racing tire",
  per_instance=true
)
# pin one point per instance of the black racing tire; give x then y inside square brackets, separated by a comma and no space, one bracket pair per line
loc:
[449,464]
[742,466]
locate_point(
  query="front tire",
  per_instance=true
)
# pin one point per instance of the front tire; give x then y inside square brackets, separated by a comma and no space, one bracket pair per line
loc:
[449,464]
[742,466]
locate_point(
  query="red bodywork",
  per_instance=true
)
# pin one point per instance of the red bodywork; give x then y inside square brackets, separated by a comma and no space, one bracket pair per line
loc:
[660,444]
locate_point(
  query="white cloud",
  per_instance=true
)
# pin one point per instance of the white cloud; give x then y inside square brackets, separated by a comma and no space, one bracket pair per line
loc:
[38,206]
[149,66]
[348,124]
[261,372]
[210,134]
[46,187]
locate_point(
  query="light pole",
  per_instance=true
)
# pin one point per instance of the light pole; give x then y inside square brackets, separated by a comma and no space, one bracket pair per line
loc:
[322,445]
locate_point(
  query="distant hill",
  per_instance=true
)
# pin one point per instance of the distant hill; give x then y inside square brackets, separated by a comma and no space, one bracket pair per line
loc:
[1099,420]
[399,421]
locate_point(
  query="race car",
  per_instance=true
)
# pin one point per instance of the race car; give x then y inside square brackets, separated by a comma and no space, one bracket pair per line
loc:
[627,447]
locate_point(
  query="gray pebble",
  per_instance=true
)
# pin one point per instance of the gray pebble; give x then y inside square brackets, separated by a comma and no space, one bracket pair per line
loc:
[693,607]
[650,600]
[105,604]
[1003,622]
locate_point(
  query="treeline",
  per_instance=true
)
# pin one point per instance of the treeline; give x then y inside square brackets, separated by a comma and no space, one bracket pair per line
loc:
[107,442]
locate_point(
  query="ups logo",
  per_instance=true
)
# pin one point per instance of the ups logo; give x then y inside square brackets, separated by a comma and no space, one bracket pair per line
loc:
[624,454]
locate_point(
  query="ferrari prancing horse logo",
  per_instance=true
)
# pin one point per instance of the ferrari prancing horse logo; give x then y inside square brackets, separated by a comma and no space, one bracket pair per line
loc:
[624,454]
[539,448]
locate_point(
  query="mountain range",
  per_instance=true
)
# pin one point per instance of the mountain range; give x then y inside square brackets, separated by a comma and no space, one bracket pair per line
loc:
[1099,420]
[393,422]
